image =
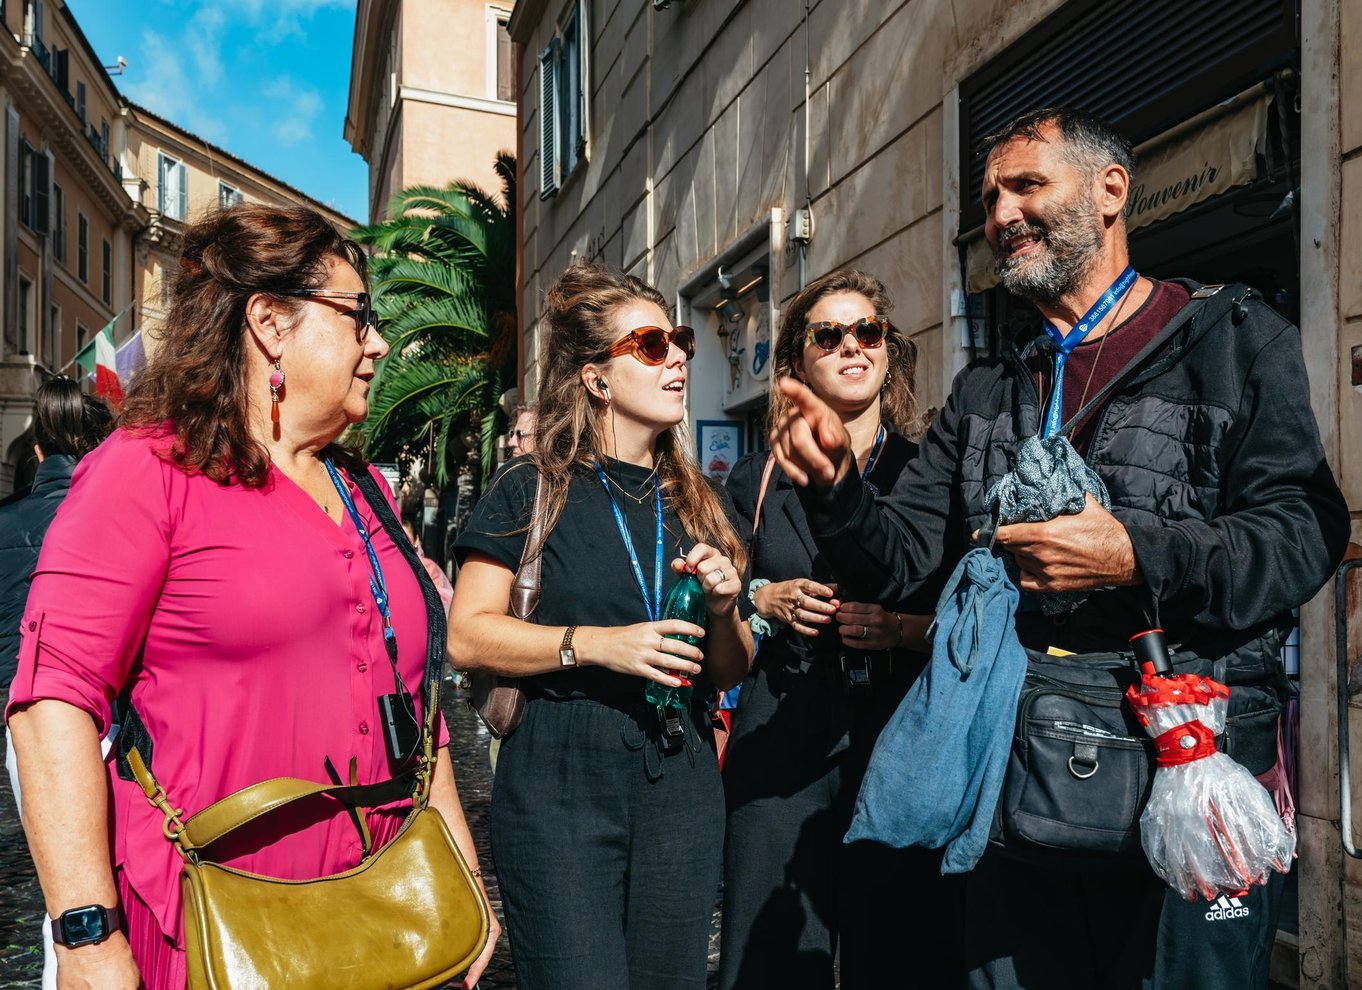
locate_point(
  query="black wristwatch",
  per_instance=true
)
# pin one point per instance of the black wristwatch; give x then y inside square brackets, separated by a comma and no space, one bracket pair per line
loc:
[86,925]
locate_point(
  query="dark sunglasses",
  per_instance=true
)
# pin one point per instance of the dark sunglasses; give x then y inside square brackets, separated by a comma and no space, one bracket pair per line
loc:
[869,331]
[651,344]
[366,317]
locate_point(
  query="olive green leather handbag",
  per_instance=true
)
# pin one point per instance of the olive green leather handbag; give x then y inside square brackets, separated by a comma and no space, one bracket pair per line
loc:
[410,915]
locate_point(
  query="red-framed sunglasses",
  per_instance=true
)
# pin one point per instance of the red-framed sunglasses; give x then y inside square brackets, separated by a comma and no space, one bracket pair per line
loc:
[828,335]
[651,344]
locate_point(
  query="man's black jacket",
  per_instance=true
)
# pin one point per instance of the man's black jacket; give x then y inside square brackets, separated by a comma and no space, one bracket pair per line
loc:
[23,524]
[1212,457]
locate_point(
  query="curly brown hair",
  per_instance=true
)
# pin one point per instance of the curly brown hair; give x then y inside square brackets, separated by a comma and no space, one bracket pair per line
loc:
[197,380]
[570,430]
[898,401]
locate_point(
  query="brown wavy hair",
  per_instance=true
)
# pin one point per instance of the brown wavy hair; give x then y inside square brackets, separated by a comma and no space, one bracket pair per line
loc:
[198,379]
[898,400]
[571,428]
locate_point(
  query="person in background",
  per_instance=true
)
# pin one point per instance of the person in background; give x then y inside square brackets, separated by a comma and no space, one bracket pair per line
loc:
[67,425]
[829,674]
[520,438]
[606,818]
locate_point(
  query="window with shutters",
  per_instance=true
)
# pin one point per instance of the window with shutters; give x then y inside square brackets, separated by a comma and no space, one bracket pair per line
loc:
[83,247]
[35,188]
[25,313]
[107,259]
[564,74]
[228,195]
[58,223]
[500,57]
[80,101]
[172,192]
[26,183]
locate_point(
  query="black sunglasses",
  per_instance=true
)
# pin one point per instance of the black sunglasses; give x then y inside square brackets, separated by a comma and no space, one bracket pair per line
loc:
[651,344]
[366,317]
[828,335]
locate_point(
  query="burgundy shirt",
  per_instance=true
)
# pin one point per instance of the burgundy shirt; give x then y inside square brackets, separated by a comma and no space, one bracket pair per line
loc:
[1091,365]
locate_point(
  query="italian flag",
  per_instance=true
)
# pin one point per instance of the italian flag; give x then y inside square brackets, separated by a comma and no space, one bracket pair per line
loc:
[97,357]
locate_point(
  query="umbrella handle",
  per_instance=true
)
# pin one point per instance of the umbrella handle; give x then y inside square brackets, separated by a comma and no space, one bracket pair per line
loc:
[1151,651]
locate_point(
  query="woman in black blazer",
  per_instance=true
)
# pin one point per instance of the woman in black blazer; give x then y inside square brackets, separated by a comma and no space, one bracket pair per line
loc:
[827,676]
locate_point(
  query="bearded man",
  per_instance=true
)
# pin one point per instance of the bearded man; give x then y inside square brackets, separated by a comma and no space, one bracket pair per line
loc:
[1224,517]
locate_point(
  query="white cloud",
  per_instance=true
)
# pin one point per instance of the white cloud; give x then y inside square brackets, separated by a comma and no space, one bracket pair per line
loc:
[203,36]
[165,87]
[278,19]
[295,107]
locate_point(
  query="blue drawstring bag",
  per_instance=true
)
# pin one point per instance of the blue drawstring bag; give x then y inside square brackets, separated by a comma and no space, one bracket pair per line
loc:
[937,769]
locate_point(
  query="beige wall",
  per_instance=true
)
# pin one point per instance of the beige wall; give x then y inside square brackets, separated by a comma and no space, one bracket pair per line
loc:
[428,114]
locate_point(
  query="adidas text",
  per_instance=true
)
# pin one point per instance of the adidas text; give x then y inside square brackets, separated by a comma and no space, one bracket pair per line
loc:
[1226,909]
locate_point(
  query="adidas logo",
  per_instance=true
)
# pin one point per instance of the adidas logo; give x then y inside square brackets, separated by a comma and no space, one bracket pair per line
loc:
[1227,909]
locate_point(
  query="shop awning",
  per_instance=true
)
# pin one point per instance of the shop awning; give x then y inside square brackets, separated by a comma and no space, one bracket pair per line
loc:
[1176,170]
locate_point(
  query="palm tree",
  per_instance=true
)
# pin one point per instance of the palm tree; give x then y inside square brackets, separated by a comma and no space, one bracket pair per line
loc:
[443,274]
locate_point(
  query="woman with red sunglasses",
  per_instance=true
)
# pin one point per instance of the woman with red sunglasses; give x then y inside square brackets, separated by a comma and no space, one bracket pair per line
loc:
[828,675]
[607,827]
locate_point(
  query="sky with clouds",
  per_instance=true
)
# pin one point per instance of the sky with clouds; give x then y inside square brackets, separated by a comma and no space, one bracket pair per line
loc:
[268,80]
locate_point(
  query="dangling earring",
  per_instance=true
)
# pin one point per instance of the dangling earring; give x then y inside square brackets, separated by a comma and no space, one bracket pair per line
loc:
[888,377]
[276,383]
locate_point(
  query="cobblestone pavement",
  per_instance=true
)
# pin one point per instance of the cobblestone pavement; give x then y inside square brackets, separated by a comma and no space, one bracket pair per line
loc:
[21,908]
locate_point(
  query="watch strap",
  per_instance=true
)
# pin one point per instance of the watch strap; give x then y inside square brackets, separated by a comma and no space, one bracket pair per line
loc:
[566,656]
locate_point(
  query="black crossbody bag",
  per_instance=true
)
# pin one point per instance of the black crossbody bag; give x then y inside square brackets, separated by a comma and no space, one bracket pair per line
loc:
[1081,768]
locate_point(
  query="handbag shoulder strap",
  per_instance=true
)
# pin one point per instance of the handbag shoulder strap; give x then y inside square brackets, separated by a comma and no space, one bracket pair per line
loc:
[1211,298]
[246,805]
[525,587]
[766,473]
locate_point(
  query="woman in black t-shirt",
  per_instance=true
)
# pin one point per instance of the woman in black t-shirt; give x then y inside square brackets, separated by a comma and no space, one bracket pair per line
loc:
[607,810]
[829,674]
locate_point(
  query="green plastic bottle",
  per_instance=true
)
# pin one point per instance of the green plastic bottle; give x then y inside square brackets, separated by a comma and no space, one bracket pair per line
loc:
[686,601]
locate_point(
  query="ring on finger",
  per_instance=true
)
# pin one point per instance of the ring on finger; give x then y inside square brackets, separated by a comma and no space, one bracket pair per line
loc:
[865,631]
[662,644]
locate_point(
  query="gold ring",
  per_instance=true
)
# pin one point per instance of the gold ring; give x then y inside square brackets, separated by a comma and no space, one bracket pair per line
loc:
[661,642]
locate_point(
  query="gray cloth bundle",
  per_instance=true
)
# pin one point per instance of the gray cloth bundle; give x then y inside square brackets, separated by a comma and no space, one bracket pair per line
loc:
[1050,480]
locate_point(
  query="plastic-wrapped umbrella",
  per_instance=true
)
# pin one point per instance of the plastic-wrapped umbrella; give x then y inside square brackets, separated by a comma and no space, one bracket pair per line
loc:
[1209,827]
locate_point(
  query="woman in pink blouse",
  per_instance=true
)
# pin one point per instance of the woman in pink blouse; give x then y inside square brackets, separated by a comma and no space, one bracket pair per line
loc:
[204,563]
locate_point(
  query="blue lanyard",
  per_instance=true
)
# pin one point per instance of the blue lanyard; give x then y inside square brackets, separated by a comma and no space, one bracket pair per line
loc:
[653,604]
[874,455]
[1064,344]
[376,584]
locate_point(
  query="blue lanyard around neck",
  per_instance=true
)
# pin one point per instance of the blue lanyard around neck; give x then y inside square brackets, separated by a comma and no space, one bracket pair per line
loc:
[376,583]
[1065,343]
[653,604]
[874,455]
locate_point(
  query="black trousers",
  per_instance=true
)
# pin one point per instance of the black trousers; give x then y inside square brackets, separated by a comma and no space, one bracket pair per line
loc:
[1033,927]
[608,852]
[796,897]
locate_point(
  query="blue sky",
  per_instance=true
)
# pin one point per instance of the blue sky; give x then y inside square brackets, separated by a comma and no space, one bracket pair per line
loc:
[267,80]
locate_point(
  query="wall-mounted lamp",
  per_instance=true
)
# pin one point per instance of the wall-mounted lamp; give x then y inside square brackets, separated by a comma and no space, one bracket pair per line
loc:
[731,312]
[117,68]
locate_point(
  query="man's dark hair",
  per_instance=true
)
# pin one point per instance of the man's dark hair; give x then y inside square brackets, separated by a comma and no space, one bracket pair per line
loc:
[1090,143]
[68,422]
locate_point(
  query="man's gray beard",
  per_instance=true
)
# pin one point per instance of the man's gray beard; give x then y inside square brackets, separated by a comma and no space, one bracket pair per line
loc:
[1072,244]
